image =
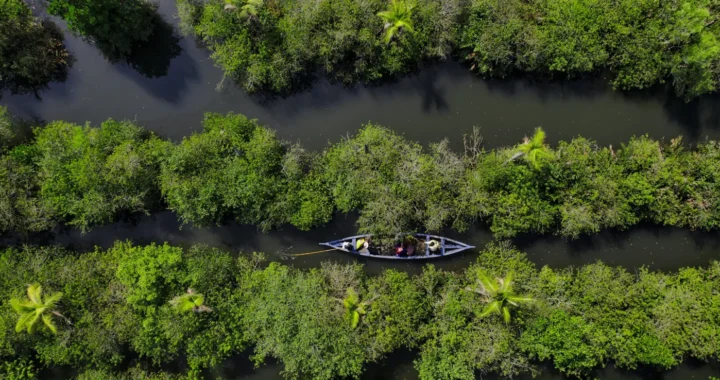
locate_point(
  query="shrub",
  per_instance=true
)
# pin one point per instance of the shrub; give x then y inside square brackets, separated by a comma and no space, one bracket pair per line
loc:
[92,175]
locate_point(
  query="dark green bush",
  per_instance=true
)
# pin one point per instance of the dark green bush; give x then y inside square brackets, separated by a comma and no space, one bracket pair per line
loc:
[89,176]
[237,169]
[281,43]
[285,42]
[395,185]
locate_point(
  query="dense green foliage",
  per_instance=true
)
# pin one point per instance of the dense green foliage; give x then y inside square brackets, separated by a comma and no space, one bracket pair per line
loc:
[238,170]
[642,42]
[285,42]
[396,185]
[7,129]
[119,306]
[115,26]
[85,176]
[90,175]
[32,53]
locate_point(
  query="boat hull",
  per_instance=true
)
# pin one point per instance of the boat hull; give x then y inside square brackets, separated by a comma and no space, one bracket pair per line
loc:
[447,247]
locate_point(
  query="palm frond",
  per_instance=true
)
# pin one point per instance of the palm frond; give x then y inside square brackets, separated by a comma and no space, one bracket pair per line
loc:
[397,18]
[498,297]
[487,283]
[355,319]
[386,15]
[534,148]
[34,293]
[20,306]
[31,322]
[186,306]
[47,320]
[405,25]
[515,300]
[189,301]
[51,301]
[538,138]
[23,321]
[506,285]
[198,300]
[31,311]
[390,33]
[492,307]
[506,314]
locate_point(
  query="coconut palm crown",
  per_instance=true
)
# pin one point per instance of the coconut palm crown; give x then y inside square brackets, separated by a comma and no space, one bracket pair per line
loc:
[497,294]
[190,301]
[397,18]
[354,308]
[36,309]
[248,9]
[534,149]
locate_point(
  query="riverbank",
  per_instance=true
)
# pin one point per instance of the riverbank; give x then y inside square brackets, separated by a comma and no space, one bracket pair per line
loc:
[169,90]
[278,46]
[294,315]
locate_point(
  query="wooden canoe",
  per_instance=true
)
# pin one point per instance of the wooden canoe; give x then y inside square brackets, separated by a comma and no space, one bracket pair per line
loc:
[446,247]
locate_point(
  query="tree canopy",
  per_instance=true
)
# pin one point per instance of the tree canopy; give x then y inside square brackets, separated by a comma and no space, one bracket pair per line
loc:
[120,303]
[238,170]
[640,43]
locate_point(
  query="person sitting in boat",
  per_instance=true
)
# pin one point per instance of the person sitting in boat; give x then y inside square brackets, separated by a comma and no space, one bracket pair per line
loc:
[362,245]
[433,245]
[400,251]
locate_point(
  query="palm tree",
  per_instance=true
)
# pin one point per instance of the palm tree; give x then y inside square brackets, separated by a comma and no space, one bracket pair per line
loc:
[497,294]
[533,149]
[397,18]
[354,309]
[248,10]
[190,301]
[35,309]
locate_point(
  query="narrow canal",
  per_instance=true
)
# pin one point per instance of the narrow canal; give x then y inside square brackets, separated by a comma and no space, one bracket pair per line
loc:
[172,81]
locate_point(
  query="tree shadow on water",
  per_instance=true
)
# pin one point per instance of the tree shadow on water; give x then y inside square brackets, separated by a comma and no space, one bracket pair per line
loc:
[152,58]
[546,87]
[39,80]
[430,86]
[696,117]
[433,95]
[149,63]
